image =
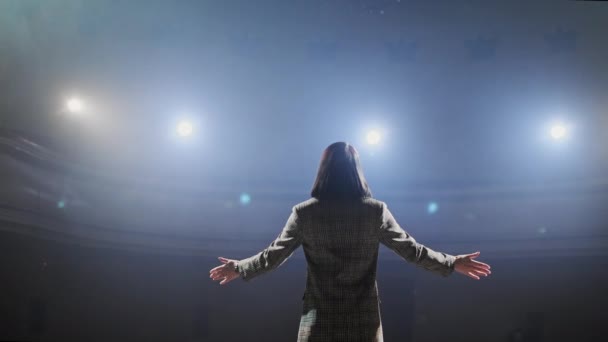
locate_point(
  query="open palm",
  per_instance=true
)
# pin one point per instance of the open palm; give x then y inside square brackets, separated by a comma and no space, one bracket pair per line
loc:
[471,268]
[225,272]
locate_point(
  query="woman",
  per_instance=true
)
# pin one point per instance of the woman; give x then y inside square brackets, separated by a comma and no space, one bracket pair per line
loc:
[340,229]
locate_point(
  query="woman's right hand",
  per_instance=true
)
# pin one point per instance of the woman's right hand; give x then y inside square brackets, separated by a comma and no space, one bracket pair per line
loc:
[471,268]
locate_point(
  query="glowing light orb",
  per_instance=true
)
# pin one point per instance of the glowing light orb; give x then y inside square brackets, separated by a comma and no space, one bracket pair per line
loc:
[184,128]
[245,199]
[558,131]
[373,137]
[432,208]
[74,105]
[61,204]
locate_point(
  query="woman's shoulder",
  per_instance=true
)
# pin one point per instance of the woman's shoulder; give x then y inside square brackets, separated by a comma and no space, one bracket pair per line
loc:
[307,203]
[373,201]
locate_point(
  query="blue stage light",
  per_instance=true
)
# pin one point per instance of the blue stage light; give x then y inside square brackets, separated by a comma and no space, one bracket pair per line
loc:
[245,198]
[432,208]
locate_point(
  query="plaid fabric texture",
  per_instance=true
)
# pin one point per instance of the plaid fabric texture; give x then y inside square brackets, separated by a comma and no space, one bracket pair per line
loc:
[341,242]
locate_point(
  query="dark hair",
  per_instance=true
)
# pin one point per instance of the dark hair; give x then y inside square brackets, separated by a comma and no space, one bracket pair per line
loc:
[340,175]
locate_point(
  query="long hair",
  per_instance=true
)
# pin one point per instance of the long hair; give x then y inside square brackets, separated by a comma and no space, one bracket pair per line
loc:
[340,175]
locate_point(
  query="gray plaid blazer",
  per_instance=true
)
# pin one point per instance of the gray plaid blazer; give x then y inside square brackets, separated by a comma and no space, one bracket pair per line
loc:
[341,242]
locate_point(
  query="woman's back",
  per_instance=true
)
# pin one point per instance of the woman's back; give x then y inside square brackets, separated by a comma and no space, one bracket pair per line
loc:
[340,242]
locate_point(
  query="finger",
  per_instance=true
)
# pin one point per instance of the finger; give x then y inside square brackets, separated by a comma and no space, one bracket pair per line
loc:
[481,268]
[224,281]
[219,271]
[474,255]
[483,273]
[222,259]
[216,268]
[481,263]
[473,275]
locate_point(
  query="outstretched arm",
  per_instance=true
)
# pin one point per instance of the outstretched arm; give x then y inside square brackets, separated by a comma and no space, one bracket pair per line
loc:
[395,238]
[277,253]
[270,258]
[402,243]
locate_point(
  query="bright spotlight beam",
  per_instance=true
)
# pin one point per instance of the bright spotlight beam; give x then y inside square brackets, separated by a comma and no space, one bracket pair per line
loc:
[74,105]
[558,131]
[373,137]
[184,128]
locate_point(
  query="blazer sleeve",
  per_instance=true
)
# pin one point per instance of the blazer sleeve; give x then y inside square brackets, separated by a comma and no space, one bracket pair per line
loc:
[403,244]
[277,253]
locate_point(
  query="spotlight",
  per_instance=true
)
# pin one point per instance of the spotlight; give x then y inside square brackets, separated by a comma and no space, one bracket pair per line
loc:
[74,105]
[184,128]
[373,137]
[558,131]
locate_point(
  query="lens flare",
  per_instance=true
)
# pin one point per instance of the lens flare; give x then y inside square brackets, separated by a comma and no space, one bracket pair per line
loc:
[245,199]
[432,208]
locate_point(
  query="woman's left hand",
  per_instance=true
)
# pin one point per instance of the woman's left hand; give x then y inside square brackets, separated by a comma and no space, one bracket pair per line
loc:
[226,271]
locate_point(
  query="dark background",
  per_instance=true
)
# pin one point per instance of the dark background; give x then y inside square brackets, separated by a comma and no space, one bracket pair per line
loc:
[99,295]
